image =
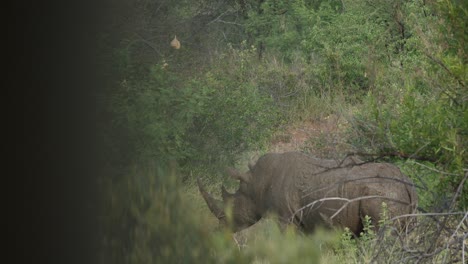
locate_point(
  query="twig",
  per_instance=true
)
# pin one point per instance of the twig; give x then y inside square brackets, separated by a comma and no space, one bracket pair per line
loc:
[237,242]
[394,154]
[441,64]
[458,192]
[463,246]
[218,19]
[442,226]
[230,23]
[434,170]
[347,201]
[454,235]
[149,44]
[310,192]
[426,214]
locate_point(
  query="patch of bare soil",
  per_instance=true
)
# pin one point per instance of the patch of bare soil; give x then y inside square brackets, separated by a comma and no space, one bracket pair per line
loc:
[323,138]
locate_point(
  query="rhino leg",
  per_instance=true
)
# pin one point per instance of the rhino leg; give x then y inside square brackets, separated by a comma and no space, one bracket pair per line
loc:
[372,208]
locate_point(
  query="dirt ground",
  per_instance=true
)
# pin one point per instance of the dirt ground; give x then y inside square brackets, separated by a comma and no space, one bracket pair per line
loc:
[323,138]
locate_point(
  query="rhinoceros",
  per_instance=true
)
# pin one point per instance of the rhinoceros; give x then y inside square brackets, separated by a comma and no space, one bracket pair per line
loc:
[307,192]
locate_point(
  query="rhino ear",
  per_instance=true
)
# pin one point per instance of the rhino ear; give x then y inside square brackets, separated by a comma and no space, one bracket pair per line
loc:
[225,194]
[235,174]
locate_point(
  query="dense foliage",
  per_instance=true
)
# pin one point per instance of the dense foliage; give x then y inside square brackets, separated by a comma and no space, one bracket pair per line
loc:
[419,110]
[397,69]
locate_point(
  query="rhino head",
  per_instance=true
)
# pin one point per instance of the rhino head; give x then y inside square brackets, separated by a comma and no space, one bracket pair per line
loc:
[236,210]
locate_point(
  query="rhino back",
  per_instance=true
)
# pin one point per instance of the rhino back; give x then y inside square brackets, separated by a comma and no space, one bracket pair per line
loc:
[368,184]
[278,179]
[290,184]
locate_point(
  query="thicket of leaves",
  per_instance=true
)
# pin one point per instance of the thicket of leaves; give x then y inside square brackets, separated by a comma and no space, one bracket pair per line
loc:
[419,109]
[207,119]
[336,44]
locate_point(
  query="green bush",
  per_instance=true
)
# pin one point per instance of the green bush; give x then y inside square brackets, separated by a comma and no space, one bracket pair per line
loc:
[156,112]
[339,45]
[420,127]
[419,110]
[238,116]
[208,120]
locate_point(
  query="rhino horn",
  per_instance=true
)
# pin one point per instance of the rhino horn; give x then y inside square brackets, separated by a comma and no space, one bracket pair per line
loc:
[251,165]
[235,174]
[215,205]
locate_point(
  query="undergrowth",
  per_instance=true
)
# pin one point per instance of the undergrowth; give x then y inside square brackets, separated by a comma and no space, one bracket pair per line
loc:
[164,221]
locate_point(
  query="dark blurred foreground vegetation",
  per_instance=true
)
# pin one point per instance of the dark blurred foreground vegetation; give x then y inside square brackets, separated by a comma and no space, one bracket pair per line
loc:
[395,69]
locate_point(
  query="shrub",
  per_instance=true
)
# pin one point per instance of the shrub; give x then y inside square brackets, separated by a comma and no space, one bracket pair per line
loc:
[418,110]
[210,120]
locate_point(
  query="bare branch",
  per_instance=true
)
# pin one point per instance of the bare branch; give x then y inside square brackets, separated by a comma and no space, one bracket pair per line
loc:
[218,19]
[231,23]
[432,169]
[441,64]
[148,43]
[346,200]
[395,154]
[426,214]
[459,189]
[310,192]
[452,237]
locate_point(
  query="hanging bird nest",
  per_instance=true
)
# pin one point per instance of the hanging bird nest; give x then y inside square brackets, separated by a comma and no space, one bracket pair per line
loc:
[175,43]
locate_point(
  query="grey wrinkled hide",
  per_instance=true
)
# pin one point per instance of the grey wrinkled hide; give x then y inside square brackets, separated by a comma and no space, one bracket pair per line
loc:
[308,191]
